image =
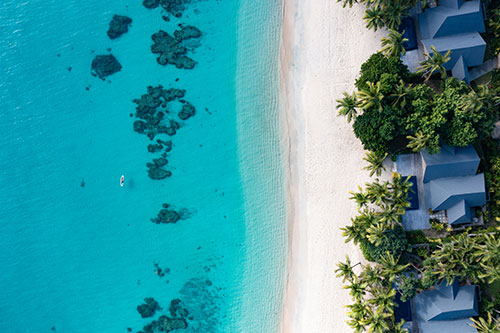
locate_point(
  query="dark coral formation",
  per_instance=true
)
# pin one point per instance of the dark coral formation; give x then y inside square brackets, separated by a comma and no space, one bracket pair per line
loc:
[155,117]
[173,50]
[105,65]
[165,324]
[167,215]
[172,7]
[178,309]
[149,308]
[161,271]
[187,111]
[177,321]
[118,26]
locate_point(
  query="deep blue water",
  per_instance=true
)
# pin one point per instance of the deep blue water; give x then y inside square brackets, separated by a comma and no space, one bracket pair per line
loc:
[80,259]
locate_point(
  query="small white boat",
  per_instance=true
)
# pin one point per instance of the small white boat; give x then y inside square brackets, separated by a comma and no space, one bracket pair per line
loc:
[122,180]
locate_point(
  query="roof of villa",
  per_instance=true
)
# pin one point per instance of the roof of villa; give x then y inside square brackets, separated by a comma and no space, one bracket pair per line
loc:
[451,182]
[446,308]
[450,162]
[455,25]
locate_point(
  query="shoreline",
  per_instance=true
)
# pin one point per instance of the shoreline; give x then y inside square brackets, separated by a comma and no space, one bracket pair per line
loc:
[320,57]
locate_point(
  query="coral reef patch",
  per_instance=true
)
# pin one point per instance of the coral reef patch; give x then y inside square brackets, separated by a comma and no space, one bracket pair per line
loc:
[173,50]
[171,7]
[105,65]
[154,117]
[118,26]
[169,215]
[148,308]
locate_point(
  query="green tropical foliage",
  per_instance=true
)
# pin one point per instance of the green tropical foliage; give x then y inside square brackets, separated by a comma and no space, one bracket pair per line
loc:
[347,106]
[374,297]
[434,63]
[347,2]
[377,227]
[394,114]
[385,13]
[488,325]
[393,44]
[375,162]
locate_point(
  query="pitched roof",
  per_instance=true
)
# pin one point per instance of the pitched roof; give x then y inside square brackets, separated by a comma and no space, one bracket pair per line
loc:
[455,25]
[445,193]
[450,162]
[437,305]
[450,18]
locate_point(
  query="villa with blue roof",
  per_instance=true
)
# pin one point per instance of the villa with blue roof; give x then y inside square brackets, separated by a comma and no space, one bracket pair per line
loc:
[443,309]
[446,184]
[455,25]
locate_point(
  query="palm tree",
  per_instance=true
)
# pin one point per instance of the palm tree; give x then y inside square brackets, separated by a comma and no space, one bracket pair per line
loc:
[345,270]
[400,93]
[472,102]
[347,2]
[360,197]
[390,266]
[371,275]
[375,160]
[357,289]
[347,106]
[378,192]
[358,310]
[371,97]
[491,273]
[353,232]
[393,12]
[398,328]
[376,322]
[356,324]
[383,299]
[418,142]
[373,18]
[390,217]
[393,44]
[486,326]
[434,63]
[376,233]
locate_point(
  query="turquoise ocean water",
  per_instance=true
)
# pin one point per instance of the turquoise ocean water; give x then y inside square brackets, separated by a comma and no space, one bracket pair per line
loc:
[80,259]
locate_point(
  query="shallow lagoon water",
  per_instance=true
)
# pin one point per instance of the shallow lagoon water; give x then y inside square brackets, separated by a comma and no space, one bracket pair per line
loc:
[80,259]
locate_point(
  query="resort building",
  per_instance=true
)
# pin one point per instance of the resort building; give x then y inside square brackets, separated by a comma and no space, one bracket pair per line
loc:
[455,25]
[443,309]
[446,186]
[452,25]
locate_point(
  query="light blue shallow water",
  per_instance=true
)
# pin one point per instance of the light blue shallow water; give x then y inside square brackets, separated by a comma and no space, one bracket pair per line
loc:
[80,259]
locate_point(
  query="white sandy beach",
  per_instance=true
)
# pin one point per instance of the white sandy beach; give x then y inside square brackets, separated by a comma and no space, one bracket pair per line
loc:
[323,48]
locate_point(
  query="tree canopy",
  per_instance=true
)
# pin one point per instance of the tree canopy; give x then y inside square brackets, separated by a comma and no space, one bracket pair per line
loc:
[394,114]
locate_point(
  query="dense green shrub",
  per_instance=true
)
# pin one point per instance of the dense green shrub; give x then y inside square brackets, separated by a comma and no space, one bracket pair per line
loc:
[492,179]
[378,64]
[392,115]
[394,241]
[416,237]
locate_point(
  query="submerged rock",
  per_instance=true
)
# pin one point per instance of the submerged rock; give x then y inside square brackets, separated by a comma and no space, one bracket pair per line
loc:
[149,307]
[187,111]
[172,50]
[155,172]
[178,309]
[118,26]
[165,324]
[166,216]
[171,7]
[105,65]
